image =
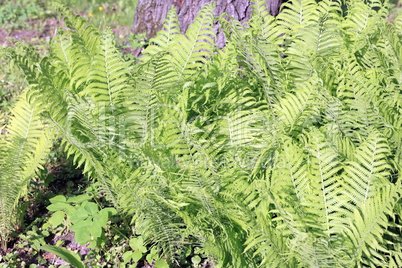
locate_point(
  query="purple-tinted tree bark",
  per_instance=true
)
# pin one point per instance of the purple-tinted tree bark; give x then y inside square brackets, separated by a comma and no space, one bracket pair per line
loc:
[151,13]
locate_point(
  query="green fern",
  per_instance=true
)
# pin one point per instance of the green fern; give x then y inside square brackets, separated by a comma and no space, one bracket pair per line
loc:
[24,148]
[281,150]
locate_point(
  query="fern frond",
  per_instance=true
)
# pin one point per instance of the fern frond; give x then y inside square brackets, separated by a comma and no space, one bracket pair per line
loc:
[196,47]
[298,110]
[370,222]
[107,78]
[324,169]
[144,110]
[259,9]
[361,18]
[297,14]
[318,252]
[398,23]
[238,126]
[164,38]
[271,245]
[86,35]
[314,45]
[186,54]
[71,60]
[25,148]
[370,170]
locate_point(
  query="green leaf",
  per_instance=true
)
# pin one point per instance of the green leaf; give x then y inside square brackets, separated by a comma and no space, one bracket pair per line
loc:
[127,256]
[161,263]
[57,206]
[81,230]
[110,211]
[81,234]
[58,198]
[136,243]
[57,218]
[69,210]
[95,230]
[79,199]
[93,244]
[101,218]
[196,260]
[137,255]
[67,255]
[84,223]
[92,208]
[79,215]
[153,255]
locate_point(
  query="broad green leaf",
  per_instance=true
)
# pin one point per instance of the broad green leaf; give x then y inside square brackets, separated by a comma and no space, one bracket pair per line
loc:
[81,234]
[57,206]
[95,230]
[79,215]
[101,218]
[127,256]
[136,243]
[79,199]
[137,255]
[161,263]
[110,211]
[92,208]
[196,260]
[58,198]
[57,218]
[153,255]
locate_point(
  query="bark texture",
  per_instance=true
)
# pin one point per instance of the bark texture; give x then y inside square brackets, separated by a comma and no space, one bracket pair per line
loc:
[151,13]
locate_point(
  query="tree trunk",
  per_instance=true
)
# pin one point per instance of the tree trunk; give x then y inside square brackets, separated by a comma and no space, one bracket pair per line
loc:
[151,13]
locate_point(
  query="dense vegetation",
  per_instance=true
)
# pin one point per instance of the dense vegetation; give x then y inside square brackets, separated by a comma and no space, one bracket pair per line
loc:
[284,149]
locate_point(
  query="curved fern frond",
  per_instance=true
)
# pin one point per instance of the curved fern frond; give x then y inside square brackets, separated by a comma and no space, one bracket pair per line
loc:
[24,149]
[164,38]
[300,109]
[71,60]
[196,47]
[84,34]
[324,169]
[297,14]
[369,224]
[370,170]
[107,78]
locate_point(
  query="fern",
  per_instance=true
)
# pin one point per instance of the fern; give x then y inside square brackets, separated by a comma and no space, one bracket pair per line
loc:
[24,148]
[296,109]
[283,149]
[164,38]
[369,223]
[370,170]
[185,53]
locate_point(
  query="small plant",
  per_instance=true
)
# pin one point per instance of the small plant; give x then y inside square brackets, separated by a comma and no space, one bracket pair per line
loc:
[90,225]
[138,249]
[81,216]
[137,253]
